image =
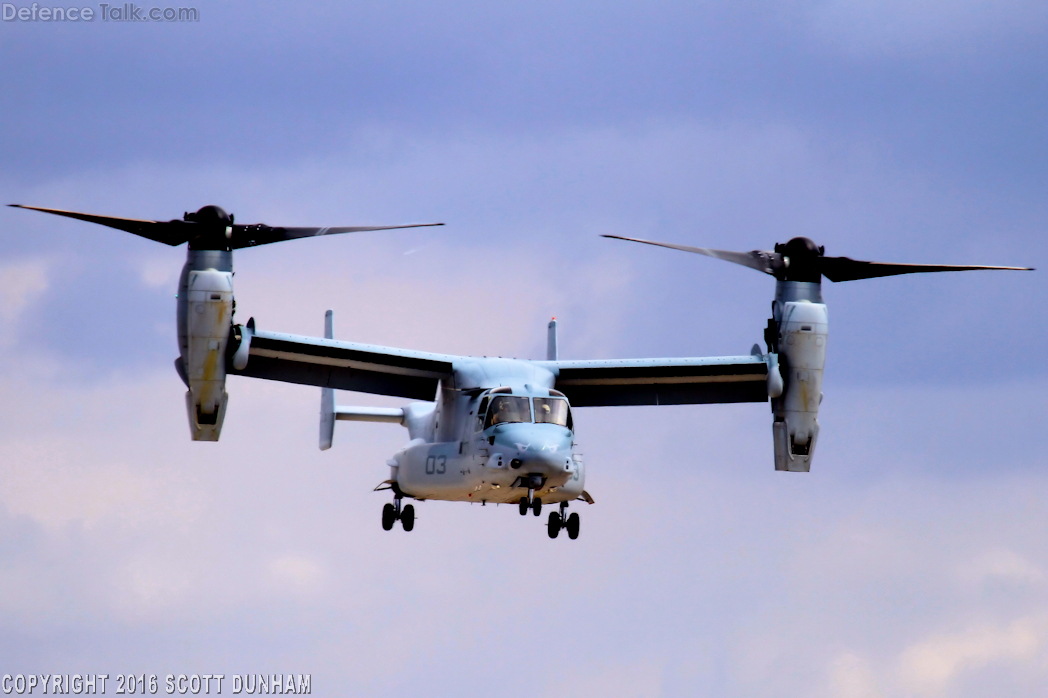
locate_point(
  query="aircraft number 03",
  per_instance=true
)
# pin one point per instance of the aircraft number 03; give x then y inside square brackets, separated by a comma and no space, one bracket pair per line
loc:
[436,465]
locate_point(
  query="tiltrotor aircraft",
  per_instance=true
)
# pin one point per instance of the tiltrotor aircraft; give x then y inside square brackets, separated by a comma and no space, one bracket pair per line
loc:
[493,429]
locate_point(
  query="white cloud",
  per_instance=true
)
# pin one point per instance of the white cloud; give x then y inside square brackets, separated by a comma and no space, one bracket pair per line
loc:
[852,677]
[996,566]
[930,665]
[20,283]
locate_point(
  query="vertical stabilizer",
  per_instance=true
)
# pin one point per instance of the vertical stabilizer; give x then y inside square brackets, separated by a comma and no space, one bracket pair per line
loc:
[551,340]
[327,395]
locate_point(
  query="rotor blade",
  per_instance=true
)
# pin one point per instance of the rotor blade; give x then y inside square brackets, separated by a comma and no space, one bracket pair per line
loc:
[767,262]
[845,269]
[168,232]
[260,234]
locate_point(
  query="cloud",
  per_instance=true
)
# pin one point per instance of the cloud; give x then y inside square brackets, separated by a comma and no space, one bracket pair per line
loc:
[910,559]
[21,282]
[930,665]
[1001,566]
[741,580]
[852,677]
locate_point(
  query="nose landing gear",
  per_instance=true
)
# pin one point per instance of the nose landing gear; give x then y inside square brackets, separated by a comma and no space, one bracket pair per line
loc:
[392,512]
[530,502]
[558,521]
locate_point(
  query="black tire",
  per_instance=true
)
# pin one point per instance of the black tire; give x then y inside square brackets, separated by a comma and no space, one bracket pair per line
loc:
[523,506]
[389,516]
[536,506]
[407,517]
[553,527]
[573,526]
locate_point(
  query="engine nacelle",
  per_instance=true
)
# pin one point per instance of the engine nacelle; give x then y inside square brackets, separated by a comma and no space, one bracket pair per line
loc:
[802,355]
[205,314]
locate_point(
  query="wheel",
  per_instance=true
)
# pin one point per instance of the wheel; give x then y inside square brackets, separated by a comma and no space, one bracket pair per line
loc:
[573,526]
[389,516]
[536,506]
[553,527]
[407,517]
[523,506]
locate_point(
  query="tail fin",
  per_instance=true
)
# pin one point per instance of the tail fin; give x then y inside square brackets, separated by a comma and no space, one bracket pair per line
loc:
[327,395]
[551,340]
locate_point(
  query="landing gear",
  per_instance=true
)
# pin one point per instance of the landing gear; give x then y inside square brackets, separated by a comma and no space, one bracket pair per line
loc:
[573,526]
[559,520]
[531,501]
[392,512]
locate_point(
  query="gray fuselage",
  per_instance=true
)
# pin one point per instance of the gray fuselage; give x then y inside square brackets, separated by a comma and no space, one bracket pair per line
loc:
[461,451]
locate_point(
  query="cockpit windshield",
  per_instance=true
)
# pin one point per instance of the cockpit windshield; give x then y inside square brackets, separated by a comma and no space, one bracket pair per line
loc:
[553,411]
[508,409]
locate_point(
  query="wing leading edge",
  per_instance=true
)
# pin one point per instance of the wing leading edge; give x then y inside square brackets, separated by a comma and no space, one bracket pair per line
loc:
[692,381]
[327,363]
[367,368]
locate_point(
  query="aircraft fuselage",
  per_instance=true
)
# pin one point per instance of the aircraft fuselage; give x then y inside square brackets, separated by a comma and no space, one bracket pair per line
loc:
[500,432]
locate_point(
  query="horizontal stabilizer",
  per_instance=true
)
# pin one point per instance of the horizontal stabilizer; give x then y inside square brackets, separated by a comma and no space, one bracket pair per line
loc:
[394,415]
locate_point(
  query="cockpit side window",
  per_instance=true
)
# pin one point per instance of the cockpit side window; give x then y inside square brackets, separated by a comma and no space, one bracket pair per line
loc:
[505,409]
[552,410]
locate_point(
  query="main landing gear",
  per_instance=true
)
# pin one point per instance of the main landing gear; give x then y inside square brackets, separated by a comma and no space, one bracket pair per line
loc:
[393,512]
[558,521]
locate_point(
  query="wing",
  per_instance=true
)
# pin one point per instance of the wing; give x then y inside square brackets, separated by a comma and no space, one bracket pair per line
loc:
[328,363]
[662,381]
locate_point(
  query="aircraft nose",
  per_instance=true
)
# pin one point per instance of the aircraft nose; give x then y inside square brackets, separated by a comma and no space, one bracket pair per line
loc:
[548,464]
[538,448]
[546,453]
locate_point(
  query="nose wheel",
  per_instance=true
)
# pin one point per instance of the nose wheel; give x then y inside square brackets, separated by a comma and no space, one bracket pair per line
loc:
[530,502]
[392,512]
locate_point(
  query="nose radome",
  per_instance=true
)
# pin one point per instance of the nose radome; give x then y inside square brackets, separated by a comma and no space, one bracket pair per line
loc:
[536,447]
[550,461]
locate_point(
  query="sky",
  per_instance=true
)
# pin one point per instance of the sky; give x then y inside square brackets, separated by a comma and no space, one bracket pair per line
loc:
[910,561]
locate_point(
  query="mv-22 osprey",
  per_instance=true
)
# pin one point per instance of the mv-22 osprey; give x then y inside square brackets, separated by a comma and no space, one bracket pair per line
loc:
[493,429]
